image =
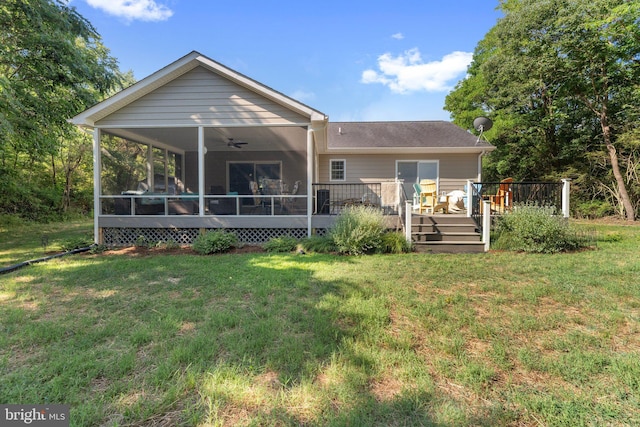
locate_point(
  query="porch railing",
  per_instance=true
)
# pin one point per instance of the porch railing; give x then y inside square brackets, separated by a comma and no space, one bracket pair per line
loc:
[239,205]
[328,199]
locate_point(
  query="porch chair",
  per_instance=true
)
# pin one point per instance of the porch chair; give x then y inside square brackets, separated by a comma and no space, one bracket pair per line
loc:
[502,201]
[289,201]
[429,197]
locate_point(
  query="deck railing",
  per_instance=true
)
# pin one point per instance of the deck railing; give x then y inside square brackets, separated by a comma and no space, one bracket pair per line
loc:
[502,197]
[331,199]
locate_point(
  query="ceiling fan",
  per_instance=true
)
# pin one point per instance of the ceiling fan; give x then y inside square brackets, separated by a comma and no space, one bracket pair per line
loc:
[235,144]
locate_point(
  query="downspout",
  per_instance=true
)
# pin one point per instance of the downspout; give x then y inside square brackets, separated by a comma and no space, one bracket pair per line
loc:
[479,178]
[97,185]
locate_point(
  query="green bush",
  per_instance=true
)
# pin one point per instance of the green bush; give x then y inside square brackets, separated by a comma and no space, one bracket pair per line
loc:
[319,244]
[281,244]
[394,242]
[594,209]
[532,228]
[75,243]
[143,242]
[358,230]
[214,242]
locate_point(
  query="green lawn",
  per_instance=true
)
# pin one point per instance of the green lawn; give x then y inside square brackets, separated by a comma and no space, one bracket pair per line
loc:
[496,339]
[24,242]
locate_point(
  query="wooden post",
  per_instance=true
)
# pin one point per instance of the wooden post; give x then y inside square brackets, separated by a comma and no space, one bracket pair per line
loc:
[407,220]
[566,187]
[486,224]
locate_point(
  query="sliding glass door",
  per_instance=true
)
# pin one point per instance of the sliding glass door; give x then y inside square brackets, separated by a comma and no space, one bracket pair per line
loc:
[413,171]
[241,174]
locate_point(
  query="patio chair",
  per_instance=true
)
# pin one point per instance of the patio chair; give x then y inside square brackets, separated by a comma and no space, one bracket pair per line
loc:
[290,202]
[503,200]
[429,199]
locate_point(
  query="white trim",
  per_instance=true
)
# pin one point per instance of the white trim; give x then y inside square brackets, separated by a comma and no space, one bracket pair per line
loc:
[407,150]
[344,170]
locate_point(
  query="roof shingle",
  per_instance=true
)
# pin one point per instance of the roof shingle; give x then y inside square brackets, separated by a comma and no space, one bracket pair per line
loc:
[401,134]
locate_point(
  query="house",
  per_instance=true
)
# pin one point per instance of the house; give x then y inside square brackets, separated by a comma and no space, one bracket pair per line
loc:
[197,146]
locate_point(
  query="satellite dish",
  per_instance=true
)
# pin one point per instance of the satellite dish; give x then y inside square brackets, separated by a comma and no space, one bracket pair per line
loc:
[482,124]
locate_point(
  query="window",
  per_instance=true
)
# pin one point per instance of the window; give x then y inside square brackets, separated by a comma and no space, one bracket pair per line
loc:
[338,168]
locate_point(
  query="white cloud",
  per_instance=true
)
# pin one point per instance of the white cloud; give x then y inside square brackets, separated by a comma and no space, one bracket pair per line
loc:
[143,10]
[397,36]
[408,73]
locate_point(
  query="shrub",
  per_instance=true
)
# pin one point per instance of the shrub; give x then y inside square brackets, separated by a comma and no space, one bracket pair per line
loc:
[143,242]
[171,244]
[593,209]
[75,243]
[358,230]
[214,242]
[532,228]
[281,244]
[320,244]
[394,242]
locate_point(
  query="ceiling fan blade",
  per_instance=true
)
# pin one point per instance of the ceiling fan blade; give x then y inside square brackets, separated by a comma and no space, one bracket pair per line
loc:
[235,144]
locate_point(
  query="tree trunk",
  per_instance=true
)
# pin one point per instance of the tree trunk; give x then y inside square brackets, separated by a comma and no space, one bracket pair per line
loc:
[615,167]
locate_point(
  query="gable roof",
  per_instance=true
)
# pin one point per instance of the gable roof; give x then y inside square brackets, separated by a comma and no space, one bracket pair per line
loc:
[402,136]
[176,69]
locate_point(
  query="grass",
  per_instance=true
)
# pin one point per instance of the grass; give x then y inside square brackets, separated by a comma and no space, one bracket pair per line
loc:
[281,339]
[25,241]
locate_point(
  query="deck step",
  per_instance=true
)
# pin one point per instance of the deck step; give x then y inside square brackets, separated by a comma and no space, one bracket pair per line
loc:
[448,247]
[445,234]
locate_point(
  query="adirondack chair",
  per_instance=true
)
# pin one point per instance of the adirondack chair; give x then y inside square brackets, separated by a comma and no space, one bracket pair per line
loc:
[502,201]
[429,200]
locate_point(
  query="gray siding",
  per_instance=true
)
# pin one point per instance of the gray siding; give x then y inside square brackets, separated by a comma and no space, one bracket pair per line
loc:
[454,169]
[201,97]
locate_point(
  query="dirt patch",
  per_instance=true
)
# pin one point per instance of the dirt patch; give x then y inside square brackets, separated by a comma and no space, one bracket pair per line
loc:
[139,251]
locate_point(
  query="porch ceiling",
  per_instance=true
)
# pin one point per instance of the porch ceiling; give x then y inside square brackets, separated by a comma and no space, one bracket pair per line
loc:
[292,138]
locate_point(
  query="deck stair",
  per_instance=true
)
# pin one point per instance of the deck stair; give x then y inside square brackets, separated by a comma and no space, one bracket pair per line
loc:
[445,234]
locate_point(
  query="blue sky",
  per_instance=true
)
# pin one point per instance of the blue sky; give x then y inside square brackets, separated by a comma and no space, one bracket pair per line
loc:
[352,60]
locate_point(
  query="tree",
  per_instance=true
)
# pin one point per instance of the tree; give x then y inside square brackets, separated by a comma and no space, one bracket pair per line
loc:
[562,78]
[52,66]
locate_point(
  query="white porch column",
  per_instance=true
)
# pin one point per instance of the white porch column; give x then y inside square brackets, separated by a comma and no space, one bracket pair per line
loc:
[469,197]
[486,224]
[201,171]
[310,162]
[566,187]
[97,185]
[408,207]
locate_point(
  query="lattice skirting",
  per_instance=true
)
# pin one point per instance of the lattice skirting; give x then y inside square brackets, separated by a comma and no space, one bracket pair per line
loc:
[113,236]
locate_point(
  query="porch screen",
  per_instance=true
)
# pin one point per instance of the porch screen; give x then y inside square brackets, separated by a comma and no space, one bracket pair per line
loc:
[242,173]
